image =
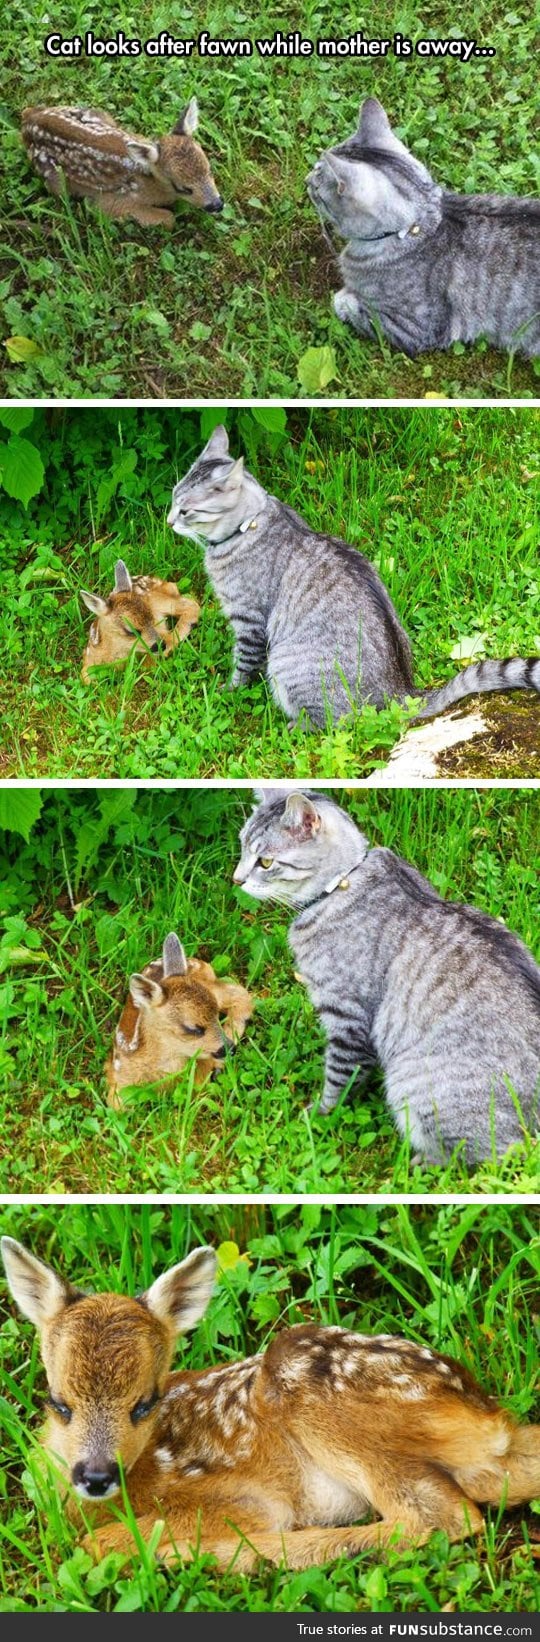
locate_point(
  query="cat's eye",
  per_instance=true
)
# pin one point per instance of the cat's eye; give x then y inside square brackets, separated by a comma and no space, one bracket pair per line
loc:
[59,1408]
[142,1409]
[265,861]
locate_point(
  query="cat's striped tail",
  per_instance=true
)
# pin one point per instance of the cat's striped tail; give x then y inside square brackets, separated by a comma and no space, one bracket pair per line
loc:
[480,678]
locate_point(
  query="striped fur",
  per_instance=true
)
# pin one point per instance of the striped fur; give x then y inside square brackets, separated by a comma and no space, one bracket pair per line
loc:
[307,610]
[443,998]
[426,267]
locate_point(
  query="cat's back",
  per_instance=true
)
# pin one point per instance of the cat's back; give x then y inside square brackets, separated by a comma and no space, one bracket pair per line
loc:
[324,573]
[491,243]
[467,945]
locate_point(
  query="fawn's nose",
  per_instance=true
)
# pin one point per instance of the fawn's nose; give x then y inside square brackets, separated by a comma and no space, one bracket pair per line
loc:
[227,1047]
[158,644]
[95,1483]
[216,204]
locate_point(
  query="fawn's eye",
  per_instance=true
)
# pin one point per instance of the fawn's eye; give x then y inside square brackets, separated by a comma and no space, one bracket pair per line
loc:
[265,861]
[59,1408]
[195,1031]
[142,1410]
[181,190]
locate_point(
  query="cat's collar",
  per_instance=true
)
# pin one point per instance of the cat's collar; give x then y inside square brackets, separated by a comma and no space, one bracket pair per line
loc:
[342,881]
[239,530]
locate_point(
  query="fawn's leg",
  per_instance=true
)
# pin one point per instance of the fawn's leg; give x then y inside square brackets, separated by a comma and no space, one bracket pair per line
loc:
[165,600]
[523,1465]
[189,614]
[511,1475]
[147,215]
[235,1003]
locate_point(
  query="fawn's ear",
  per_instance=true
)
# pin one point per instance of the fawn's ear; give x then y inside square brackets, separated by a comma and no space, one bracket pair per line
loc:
[37,1290]
[99,607]
[122,578]
[173,956]
[188,120]
[144,155]
[301,815]
[218,443]
[146,994]
[180,1296]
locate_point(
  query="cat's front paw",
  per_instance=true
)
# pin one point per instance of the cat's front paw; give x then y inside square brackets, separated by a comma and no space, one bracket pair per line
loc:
[346,308]
[322,1105]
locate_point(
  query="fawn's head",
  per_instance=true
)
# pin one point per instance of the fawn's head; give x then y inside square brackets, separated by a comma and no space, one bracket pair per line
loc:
[178,1006]
[183,163]
[123,622]
[106,1358]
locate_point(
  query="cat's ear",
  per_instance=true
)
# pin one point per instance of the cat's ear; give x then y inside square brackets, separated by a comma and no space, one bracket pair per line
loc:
[301,815]
[233,478]
[374,127]
[375,131]
[268,795]
[218,443]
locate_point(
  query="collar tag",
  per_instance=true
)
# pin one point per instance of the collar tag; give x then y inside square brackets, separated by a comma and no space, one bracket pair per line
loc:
[343,879]
[249,524]
[337,883]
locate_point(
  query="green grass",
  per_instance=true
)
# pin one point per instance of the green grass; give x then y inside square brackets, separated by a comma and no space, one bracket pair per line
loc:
[463,1280]
[230,306]
[445,503]
[89,899]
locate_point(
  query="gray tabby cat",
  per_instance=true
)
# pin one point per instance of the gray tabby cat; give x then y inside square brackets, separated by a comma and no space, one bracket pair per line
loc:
[426,267]
[445,999]
[308,611]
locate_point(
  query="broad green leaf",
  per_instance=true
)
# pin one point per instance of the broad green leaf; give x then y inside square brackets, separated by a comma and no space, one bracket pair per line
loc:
[271,417]
[376,1587]
[212,417]
[316,368]
[22,348]
[21,469]
[229,1256]
[469,648]
[16,417]
[19,809]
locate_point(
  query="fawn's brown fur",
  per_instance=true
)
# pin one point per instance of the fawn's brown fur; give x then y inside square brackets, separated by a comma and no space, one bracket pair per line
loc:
[134,617]
[87,152]
[275,1456]
[172,1014]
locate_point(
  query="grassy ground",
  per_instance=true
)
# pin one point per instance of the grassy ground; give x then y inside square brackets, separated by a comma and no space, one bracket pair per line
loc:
[444,502]
[462,1280]
[230,306]
[89,899]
